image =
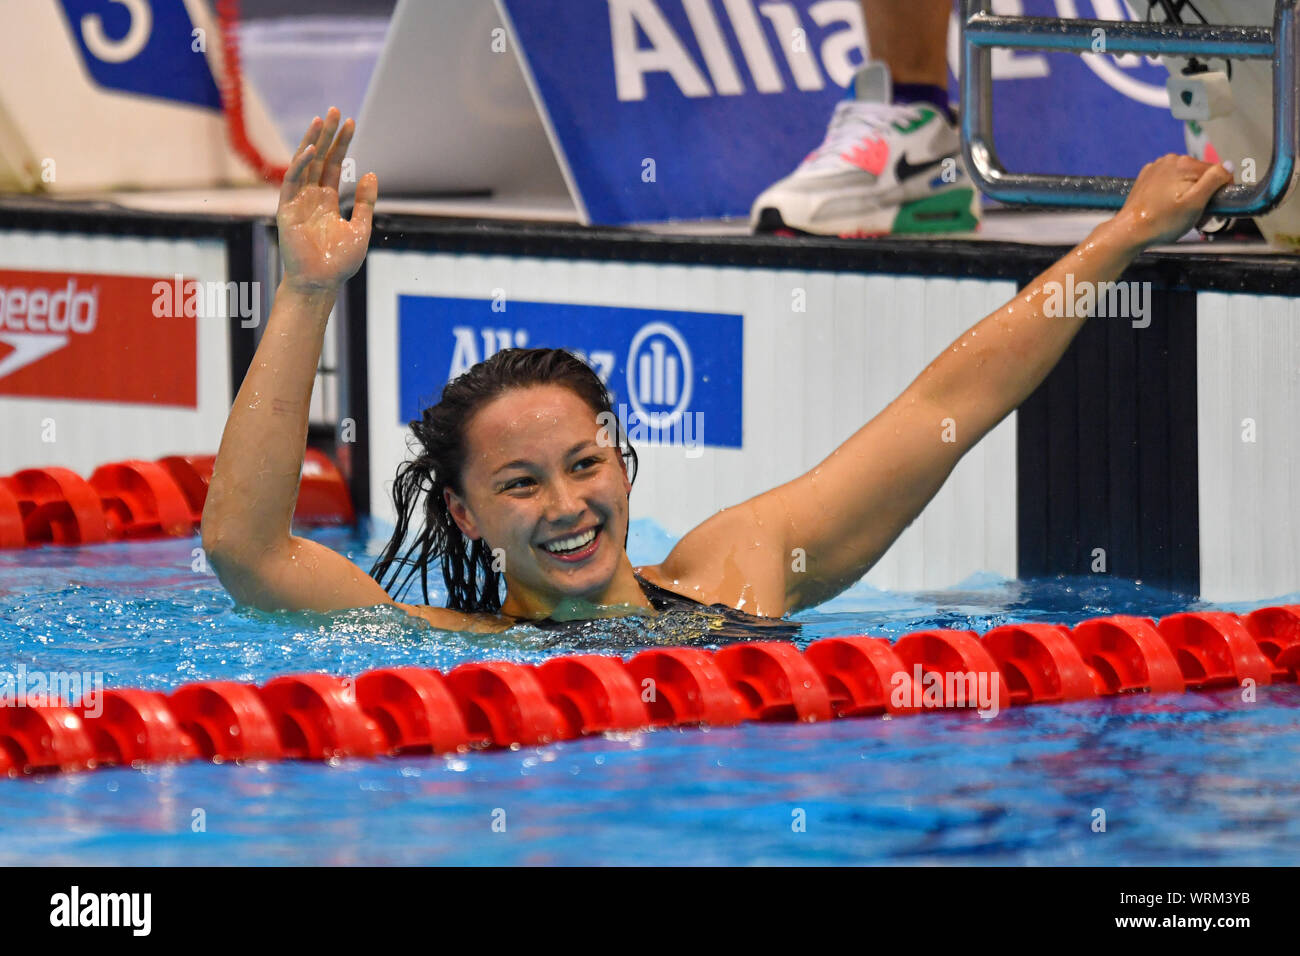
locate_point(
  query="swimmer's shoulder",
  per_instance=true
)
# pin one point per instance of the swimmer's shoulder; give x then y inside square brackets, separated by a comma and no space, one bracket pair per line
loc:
[448,620]
[654,573]
[748,580]
[666,580]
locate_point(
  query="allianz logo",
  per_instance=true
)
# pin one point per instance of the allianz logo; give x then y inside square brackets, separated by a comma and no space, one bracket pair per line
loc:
[472,345]
[632,22]
[659,374]
[644,42]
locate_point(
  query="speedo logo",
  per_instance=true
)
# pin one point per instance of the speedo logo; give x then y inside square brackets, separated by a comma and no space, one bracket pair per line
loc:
[36,320]
[48,310]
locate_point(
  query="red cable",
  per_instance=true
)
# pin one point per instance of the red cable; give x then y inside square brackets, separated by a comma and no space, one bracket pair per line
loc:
[232,96]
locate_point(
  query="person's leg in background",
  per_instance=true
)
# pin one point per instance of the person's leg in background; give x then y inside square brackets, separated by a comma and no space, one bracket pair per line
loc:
[911,38]
[890,162]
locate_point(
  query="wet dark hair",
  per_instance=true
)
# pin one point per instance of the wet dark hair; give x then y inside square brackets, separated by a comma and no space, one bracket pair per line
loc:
[440,450]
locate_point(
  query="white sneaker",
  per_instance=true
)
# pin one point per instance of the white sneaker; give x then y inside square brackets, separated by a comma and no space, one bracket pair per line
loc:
[1198,142]
[884,168]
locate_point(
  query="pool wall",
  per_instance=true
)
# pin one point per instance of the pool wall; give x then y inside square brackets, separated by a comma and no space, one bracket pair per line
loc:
[1158,450]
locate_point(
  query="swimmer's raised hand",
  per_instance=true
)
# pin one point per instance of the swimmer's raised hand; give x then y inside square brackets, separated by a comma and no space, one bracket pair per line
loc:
[1168,198]
[321,249]
[247,518]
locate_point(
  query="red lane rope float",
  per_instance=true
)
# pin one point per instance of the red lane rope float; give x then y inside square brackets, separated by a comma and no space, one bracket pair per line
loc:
[1277,631]
[140,500]
[862,676]
[594,694]
[137,726]
[414,710]
[683,685]
[317,717]
[1215,649]
[501,704]
[11,519]
[937,654]
[227,721]
[49,738]
[323,496]
[1128,655]
[191,474]
[58,507]
[505,704]
[775,682]
[143,499]
[1041,664]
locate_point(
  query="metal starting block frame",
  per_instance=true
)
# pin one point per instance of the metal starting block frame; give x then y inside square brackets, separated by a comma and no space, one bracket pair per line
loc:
[982,31]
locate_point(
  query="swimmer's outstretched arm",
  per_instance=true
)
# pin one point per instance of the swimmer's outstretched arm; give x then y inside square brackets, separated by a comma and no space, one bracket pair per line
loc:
[847,511]
[248,514]
[246,519]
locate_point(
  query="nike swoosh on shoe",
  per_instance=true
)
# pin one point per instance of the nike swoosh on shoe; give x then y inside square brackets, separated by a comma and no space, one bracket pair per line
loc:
[905,170]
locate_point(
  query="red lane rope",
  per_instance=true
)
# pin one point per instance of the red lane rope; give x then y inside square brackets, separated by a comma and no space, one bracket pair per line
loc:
[232,96]
[143,499]
[404,710]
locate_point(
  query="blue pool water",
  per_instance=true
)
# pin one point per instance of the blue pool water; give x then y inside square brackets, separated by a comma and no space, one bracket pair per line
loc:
[1183,779]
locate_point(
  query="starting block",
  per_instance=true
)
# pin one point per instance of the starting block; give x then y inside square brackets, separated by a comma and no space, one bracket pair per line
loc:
[1249,113]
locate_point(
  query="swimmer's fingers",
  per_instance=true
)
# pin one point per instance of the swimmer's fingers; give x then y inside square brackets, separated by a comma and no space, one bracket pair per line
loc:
[363,210]
[1168,196]
[1212,179]
[334,158]
[295,176]
[309,137]
[323,141]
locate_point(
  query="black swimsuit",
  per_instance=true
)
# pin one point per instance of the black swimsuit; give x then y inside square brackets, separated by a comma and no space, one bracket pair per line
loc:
[735,625]
[722,624]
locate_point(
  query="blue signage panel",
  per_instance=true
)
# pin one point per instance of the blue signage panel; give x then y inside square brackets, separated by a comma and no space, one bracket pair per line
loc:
[688,109]
[147,48]
[675,377]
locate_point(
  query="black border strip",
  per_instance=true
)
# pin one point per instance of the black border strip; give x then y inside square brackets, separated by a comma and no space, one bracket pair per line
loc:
[1201,268]
[40,214]
[1107,453]
[356,398]
[240,268]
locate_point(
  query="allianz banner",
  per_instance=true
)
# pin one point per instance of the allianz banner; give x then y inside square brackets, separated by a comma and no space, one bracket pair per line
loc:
[668,371]
[687,109]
